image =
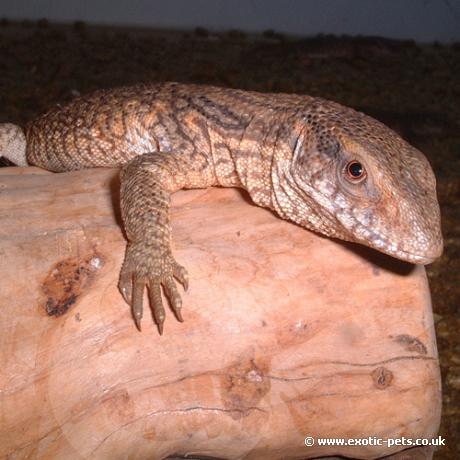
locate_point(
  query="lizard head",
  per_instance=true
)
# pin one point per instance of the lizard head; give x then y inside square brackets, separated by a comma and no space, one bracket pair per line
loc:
[353,178]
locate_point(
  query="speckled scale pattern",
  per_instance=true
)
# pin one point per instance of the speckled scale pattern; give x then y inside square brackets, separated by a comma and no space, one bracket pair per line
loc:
[288,151]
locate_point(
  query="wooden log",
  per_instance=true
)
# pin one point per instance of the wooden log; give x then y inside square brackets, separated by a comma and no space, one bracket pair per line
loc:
[286,334]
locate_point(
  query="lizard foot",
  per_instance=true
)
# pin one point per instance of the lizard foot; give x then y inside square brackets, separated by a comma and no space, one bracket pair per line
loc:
[147,266]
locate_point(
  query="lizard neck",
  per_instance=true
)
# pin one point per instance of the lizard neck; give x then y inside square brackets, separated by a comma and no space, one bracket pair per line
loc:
[265,137]
[291,194]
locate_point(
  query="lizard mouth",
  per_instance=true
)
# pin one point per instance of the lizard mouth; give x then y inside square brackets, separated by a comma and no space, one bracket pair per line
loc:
[396,251]
[354,229]
[409,257]
[383,244]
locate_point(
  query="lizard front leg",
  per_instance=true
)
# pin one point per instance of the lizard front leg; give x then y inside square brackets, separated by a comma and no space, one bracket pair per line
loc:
[147,182]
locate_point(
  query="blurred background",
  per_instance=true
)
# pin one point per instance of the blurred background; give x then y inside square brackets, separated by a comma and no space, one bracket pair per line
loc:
[398,61]
[421,20]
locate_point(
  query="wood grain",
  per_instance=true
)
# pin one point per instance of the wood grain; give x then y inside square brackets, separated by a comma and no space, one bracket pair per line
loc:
[286,334]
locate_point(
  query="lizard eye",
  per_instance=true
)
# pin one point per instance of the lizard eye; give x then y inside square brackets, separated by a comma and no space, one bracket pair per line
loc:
[355,171]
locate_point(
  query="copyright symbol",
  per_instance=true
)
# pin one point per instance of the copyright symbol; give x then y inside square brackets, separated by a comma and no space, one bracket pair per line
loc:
[309,441]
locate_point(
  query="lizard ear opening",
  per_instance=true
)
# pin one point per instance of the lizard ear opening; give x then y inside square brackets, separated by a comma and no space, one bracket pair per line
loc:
[315,153]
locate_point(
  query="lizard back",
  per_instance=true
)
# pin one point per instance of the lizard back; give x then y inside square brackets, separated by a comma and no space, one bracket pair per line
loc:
[110,127]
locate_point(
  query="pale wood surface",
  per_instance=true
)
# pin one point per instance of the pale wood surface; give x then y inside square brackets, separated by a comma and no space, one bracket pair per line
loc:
[286,334]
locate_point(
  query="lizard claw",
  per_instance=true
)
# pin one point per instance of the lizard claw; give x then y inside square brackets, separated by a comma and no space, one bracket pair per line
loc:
[141,270]
[125,285]
[180,273]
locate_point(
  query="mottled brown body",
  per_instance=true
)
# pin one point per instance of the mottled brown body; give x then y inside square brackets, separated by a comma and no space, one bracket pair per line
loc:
[315,162]
[222,135]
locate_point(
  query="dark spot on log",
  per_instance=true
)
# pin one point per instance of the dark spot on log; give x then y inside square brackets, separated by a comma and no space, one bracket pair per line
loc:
[59,307]
[149,433]
[411,343]
[244,385]
[382,377]
[67,280]
[118,404]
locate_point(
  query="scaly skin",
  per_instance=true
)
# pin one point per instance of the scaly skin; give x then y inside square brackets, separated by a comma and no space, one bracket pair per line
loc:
[324,166]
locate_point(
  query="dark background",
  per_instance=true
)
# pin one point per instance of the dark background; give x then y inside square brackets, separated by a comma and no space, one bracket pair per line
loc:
[421,20]
[413,87]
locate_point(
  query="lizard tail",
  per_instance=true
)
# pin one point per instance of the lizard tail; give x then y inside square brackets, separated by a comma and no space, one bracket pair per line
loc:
[13,144]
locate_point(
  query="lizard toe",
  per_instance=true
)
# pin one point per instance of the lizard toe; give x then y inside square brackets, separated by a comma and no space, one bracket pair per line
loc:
[136,305]
[174,297]
[156,303]
[180,273]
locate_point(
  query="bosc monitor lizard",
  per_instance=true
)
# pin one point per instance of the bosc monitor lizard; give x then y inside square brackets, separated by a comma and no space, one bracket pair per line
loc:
[314,162]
